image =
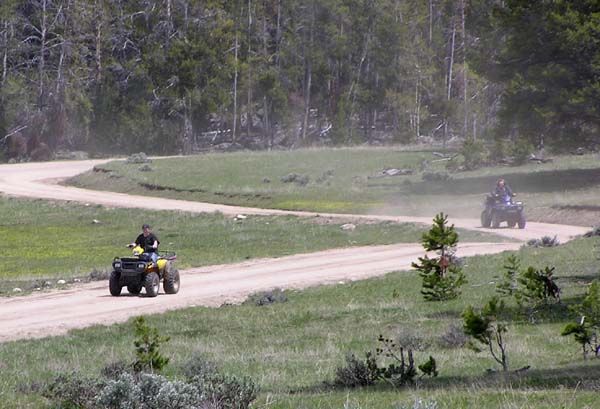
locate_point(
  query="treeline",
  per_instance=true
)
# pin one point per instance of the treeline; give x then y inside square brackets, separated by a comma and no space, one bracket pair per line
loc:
[170,76]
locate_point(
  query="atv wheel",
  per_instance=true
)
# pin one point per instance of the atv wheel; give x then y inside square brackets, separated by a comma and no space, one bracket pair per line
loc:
[522,221]
[486,220]
[495,221]
[151,284]
[171,282]
[134,289]
[114,284]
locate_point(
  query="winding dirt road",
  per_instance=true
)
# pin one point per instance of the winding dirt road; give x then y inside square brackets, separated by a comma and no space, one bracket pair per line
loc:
[56,312]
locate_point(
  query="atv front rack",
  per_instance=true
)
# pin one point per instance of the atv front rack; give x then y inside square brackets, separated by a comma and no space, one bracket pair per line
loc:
[167,255]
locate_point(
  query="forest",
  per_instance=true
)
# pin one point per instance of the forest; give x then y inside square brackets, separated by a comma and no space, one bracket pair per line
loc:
[184,76]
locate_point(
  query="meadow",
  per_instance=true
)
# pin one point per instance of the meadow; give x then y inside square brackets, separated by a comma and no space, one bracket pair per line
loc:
[292,349]
[57,240]
[350,180]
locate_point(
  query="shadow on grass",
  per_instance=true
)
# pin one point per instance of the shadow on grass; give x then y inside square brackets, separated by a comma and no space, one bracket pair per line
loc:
[535,182]
[543,314]
[581,377]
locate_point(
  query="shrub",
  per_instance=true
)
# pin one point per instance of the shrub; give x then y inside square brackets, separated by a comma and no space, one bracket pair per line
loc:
[226,392]
[147,347]
[301,180]
[121,393]
[454,337]
[587,329]
[484,327]
[593,233]
[436,176]
[507,285]
[357,372]
[138,158]
[531,287]
[395,365]
[442,277]
[537,287]
[198,366]
[158,392]
[521,151]
[545,241]
[72,391]
[267,297]
[474,153]
[115,369]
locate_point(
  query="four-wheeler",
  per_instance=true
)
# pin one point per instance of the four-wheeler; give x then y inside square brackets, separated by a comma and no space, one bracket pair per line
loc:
[502,209]
[140,271]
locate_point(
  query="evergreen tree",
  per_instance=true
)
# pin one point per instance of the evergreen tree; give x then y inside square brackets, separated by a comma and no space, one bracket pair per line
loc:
[484,326]
[442,276]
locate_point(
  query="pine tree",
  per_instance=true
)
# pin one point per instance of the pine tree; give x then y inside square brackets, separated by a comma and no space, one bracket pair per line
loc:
[485,328]
[442,276]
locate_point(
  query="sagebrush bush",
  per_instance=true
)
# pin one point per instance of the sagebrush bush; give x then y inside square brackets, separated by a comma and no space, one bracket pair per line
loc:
[73,390]
[453,337]
[151,391]
[267,297]
[545,241]
[198,366]
[593,233]
[357,372]
[115,369]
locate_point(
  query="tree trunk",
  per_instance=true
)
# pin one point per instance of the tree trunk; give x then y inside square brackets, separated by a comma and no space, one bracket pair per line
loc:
[235,85]
[249,102]
[307,49]
[464,62]
[42,64]
[450,68]
[5,54]
[98,44]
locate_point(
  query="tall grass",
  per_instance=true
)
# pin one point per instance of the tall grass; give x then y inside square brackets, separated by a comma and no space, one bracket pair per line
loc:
[291,348]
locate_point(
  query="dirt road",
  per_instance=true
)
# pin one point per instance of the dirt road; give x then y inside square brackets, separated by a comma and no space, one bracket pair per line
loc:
[56,312]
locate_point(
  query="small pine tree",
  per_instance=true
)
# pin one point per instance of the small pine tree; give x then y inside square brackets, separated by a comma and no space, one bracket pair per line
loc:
[442,277]
[537,287]
[484,327]
[147,347]
[507,286]
[586,330]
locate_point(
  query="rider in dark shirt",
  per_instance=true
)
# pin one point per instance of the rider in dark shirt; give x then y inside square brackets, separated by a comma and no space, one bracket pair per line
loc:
[502,189]
[148,241]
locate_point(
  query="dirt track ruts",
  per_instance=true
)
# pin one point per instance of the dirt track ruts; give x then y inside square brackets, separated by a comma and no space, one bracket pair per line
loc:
[56,312]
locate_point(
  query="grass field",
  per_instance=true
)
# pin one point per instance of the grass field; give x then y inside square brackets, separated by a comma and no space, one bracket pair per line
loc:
[291,348]
[52,240]
[345,180]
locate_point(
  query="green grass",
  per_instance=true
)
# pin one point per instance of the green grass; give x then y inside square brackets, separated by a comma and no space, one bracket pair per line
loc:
[566,190]
[59,240]
[291,348]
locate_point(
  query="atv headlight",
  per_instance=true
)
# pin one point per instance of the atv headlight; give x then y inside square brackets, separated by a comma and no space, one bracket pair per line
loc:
[141,266]
[117,265]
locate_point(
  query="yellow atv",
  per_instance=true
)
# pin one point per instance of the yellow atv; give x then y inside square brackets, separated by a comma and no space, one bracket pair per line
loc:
[140,271]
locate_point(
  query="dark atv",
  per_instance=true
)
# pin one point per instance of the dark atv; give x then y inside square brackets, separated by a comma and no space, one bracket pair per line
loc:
[140,271]
[502,209]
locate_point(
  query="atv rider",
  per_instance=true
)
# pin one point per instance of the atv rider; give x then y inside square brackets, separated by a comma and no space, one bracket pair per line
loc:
[147,241]
[502,190]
